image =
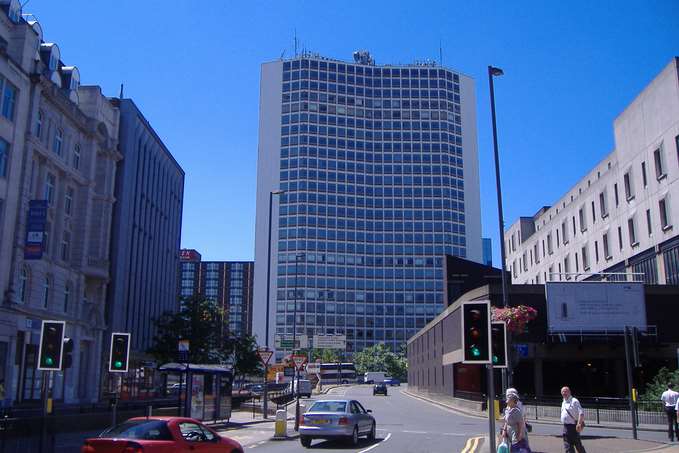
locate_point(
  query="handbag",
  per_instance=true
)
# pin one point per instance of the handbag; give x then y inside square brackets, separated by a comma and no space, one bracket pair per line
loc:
[503,447]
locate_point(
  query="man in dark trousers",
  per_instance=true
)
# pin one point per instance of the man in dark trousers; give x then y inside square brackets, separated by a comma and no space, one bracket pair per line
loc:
[573,419]
[669,399]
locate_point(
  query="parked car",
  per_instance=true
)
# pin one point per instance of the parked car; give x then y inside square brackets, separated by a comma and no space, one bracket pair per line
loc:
[380,388]
[336,419]
[392,382]
[160,435]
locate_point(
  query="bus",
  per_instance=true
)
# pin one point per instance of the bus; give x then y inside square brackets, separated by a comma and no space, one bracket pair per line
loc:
[335,372]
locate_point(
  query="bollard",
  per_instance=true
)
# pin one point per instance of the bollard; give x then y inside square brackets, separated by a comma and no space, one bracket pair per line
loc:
[498,414]
[281,426]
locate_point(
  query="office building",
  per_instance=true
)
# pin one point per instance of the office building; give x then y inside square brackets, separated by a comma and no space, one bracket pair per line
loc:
[228,283]
[487,252]
[618,220]
[379,172]
[146,232]
[60,170]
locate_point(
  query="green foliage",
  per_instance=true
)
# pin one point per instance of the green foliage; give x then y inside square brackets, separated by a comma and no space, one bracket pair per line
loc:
[658,385]
[244,353]
[200,321]
[380,358]
[324,355]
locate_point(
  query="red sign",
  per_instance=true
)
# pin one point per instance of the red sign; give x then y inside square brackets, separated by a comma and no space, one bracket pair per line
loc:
[299,360]
[189,255]
[264,355]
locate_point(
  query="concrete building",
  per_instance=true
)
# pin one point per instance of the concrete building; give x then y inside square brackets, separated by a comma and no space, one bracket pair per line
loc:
[620,217]
[67,166]
[146,232]
[379,170]
[229,283]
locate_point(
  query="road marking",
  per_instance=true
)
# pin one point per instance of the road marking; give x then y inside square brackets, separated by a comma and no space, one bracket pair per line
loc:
[415,432]
[377,444]
[442,407]
[471,445]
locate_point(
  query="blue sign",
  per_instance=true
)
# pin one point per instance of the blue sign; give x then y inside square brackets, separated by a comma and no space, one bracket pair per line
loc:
[35,229]
[522,350]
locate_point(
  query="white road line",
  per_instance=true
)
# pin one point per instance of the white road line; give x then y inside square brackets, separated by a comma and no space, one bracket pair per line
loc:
[443,408]
[415,432]
[377,444]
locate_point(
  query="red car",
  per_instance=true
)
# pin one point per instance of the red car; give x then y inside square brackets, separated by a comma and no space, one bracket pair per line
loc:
[160,435]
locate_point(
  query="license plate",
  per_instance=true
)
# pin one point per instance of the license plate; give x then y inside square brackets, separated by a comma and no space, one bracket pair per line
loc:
[319,421]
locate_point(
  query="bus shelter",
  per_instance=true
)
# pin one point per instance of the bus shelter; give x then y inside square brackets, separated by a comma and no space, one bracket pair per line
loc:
[204,390]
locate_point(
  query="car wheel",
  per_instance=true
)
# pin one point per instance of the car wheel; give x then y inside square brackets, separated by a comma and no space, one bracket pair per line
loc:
[372,433]
[354,437]
[305,441]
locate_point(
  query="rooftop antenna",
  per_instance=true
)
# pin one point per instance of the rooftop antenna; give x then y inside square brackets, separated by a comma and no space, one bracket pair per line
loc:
[295,43]
[440,52]
[121,90]
[282,54]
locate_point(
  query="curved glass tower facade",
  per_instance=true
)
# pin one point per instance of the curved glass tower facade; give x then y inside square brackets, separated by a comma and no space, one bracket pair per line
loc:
[379,170]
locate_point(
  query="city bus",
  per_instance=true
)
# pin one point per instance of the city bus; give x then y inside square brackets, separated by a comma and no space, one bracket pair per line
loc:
[335,372]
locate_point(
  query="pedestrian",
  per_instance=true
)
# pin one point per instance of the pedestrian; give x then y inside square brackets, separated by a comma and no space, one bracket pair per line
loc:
[670,399]
[573,419]
[512,390]
[514,429]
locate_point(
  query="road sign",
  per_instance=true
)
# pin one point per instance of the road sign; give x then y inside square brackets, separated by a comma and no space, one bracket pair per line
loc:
[285,342]
[299,360]
[264,355]
[313,368]
[183,345]
[330,341]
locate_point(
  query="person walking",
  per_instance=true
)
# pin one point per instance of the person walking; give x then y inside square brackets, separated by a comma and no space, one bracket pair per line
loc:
[513,391]
[514,429]
[670,399]
[573,419]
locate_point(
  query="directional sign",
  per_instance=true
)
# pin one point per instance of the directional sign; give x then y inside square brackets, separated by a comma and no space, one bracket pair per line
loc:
[330,341]
[299,360]
[313,368]
[264,355]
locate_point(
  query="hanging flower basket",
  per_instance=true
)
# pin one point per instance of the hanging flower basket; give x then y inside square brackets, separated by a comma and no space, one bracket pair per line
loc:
[516,318]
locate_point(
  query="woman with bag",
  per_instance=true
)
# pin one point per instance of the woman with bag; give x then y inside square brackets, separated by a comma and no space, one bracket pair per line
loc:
[514,430]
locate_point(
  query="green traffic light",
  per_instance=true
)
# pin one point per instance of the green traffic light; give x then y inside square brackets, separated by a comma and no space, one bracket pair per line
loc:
[495,359]
[49,361]
[476,352]
[118,364]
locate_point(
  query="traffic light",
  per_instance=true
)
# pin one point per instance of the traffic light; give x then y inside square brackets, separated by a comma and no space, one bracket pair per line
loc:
[120,352]
[51,345]
[498,335]
[68,349]
[476,332]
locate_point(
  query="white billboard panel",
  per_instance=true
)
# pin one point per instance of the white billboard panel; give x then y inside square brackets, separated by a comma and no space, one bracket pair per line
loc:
[330,341]
[595,306]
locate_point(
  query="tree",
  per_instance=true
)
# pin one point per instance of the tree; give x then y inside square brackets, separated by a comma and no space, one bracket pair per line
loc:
[200,321]
[658,385]
[244,352]
[380,358]
[324,355]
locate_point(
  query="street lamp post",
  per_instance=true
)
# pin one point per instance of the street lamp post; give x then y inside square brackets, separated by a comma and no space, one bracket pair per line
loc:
[295,384]
[265,407]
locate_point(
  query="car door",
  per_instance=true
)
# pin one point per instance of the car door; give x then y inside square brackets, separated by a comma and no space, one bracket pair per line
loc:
[366,416]
[194,439]
[359,417]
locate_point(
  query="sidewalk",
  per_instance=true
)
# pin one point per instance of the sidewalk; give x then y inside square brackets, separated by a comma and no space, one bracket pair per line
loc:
[596,444]
[248,431]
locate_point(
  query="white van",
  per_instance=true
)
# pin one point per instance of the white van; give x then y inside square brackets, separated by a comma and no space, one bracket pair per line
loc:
[373,377]
[304,387]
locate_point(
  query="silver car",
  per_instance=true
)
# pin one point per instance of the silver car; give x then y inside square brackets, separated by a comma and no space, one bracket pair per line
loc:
[336,419]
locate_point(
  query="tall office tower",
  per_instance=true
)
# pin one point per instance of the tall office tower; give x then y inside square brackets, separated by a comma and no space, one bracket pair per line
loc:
[228,283]
[378,170]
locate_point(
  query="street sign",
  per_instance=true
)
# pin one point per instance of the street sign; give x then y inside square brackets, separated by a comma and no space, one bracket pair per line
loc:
[330,341]
[299,360]
[264,355]
[285,342]
[183,345]
[35,229]
[313,368]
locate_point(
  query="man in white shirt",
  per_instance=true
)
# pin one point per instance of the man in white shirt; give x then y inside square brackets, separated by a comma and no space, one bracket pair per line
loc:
[670,399]
[573,419]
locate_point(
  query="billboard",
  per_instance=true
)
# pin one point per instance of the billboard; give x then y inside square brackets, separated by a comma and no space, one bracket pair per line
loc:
[35,229]
[595,306]
[330,341]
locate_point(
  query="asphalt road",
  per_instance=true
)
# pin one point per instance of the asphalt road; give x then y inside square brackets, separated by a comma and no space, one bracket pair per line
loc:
[404,424]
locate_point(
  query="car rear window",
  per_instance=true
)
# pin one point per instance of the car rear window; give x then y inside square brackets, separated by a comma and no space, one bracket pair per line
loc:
[329,406]
[139,429]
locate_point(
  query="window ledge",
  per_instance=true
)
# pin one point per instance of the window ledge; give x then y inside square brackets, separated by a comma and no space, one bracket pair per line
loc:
[634,244]
[667,228]
[609,257]
[604,216]
[583,230]
[586,269]
[661,177]
[630,198]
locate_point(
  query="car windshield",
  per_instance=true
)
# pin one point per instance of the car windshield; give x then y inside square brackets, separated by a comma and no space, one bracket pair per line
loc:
[139,429]
[329,406]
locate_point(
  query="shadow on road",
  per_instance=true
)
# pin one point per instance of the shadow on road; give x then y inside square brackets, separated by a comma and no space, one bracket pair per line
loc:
[344,445]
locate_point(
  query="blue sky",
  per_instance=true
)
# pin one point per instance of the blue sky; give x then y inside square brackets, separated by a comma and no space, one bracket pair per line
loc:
[193,69]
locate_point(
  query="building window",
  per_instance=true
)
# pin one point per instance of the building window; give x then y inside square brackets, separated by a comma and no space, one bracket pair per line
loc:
[4,158]
[46,237]
[564,232]
[596,251]
[38,124]
[567,267]
[632,233]
[50,185]
[629,188]
[66,246]
[585,258]
[45,292]
[583,220]
[620,237]
[68,201]
[67,296]
[607,249]
[593,214]
[23,285]
[648,222]
[643,174]
[58,141]
[658,159]
[615,191]
[664,214]
[9,94]
[536,253]
[76,157]
[602,205]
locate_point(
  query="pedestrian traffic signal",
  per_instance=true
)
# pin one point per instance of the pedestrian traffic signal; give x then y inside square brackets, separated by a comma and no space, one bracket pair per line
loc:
[476,332]
[498,335]
[51,345]
[68,349]
[120,352]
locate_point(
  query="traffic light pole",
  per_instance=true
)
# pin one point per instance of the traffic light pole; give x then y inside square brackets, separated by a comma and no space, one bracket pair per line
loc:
[630,384]
[491,407]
